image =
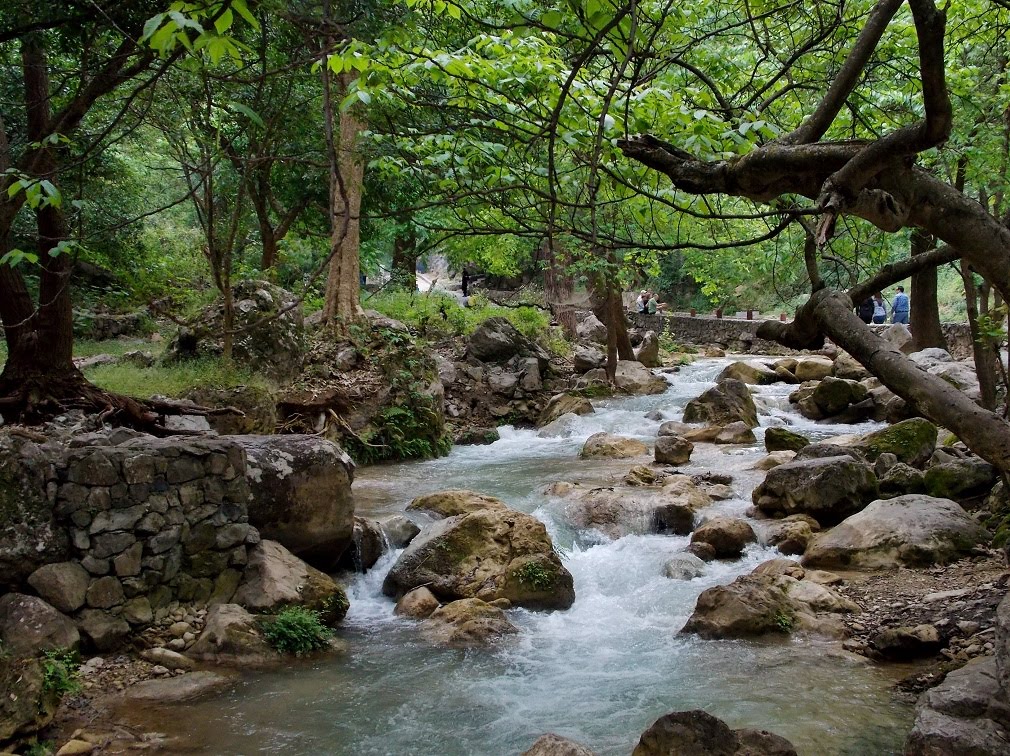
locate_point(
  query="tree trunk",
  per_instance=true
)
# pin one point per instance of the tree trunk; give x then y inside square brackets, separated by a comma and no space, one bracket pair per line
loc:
[40,342]
[405,259]
[608,307]
[559,286]
[981,345]
[924,317]
[346,182]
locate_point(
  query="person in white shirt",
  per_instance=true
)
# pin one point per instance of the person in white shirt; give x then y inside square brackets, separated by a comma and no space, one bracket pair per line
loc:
[642,302]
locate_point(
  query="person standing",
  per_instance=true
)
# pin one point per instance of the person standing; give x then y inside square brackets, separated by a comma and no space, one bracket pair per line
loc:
[879,309]
[899,308]
[865,310]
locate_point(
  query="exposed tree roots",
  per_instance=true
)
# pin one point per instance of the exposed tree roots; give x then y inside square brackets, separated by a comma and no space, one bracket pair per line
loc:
[39,399]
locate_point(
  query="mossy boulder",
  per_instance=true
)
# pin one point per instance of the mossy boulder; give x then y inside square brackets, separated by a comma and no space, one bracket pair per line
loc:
[489,554]
[783,439]
[564,404]
[271,329]
[912,441]
[959,479]
[454,502]
[766,603]
[27,704]
[729,401]
[912,530]
[828,489]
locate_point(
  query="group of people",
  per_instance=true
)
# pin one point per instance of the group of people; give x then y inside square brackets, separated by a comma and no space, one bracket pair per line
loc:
[648,304]
[874,309]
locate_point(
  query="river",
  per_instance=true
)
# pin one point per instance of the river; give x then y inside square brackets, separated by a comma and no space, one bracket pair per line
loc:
[599,673]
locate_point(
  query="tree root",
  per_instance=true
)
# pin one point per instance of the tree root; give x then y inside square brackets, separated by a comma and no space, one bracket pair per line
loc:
[40,399]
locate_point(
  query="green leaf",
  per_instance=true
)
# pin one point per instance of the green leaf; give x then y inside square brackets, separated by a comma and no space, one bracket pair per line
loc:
[249,113]
[243,10]
[223,22]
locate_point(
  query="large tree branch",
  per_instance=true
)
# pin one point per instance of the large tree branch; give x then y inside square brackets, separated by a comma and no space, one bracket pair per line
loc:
[898,271]
[830,312]
[814,127]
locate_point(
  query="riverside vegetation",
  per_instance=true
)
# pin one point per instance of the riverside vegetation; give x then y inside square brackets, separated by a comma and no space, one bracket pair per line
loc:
[235,429]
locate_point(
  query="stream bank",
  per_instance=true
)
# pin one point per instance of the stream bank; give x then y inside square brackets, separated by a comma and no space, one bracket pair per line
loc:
[600,672]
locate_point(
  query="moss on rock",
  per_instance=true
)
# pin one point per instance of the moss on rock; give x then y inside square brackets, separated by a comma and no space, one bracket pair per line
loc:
[912,441]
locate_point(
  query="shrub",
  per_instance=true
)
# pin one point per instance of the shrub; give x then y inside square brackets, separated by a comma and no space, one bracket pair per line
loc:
[59,671]
[297,630]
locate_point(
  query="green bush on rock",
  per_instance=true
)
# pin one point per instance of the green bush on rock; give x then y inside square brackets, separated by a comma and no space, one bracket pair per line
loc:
[297,630]
[59,672]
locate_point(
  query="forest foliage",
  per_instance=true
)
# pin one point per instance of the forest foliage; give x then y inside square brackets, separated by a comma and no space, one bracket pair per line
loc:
[490,126]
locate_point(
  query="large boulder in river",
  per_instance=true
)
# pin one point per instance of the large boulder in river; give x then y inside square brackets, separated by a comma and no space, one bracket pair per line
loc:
[768,601]
[271,331]
[300,494]
[813,369]
[497,340]
[467,622]
[648,351]
[618,511]
[912,441]
[635,378]
[673,450]
[729,401]
[828,489]
[750,371]
[275,578]
[29,536]
[555,745]
[454,502]
[912,530]
[487,554]
[564,404]
[783,439]
[726,535]
[608,446]
[833,395]
[698,733]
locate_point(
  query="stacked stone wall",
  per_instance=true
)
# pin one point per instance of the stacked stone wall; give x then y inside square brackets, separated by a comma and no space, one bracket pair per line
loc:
[149,522]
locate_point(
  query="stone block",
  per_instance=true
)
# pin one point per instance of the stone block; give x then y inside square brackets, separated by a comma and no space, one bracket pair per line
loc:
[94,469]
[127,564]
[105,593]
[117,519]
[110,544]
[139,469]
[63,584]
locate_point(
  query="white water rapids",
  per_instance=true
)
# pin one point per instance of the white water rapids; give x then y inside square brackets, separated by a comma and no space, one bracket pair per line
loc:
[599,673]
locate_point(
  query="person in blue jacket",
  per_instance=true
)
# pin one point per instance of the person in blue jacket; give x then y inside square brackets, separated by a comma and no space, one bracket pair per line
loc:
[899,307]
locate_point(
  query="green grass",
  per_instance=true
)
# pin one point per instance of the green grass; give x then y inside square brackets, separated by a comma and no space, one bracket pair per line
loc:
[173,380]
[437,313]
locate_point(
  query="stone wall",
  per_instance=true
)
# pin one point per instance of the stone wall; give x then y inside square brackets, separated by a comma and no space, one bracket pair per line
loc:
[137,525]
[735,335]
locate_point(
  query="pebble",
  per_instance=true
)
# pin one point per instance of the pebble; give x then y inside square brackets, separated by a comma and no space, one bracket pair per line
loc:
[179,629]
[160,670]
[967,627]
[189,637]
[177,644]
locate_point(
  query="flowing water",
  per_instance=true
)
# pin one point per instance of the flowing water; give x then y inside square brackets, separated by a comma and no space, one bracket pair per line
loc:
[600,672]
